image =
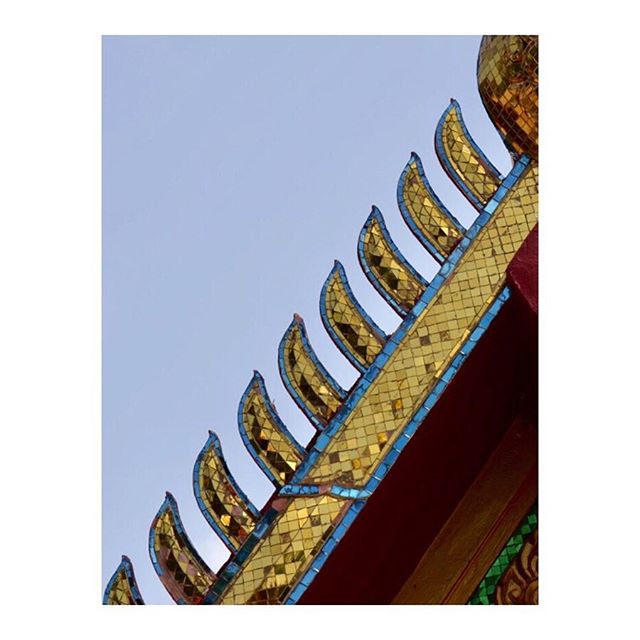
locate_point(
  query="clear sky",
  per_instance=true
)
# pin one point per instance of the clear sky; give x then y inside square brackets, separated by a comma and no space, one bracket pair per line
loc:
[235,170]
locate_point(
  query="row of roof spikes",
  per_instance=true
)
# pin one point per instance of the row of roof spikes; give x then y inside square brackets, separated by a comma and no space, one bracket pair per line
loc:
[223,503]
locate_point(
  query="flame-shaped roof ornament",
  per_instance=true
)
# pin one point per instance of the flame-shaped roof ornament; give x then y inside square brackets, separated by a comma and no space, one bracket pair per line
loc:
[276,552]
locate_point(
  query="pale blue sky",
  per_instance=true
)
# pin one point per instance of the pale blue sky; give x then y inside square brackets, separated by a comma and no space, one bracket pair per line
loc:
[235,170]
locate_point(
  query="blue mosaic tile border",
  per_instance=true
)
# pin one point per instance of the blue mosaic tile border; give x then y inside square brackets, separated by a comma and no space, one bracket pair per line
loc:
[375,215]
[127,565]
[339,269]
[408,218]
[170,503]
[446,164]
[259,380]
[214,441]
[299,400]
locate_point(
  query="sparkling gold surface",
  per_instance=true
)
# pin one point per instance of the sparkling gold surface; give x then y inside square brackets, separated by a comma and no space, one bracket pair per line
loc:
[224,504]
[392,275]
[276,564]
[431,220]
[273,446]
[432,341]
[467,163]
[362,340]
[184,576]
[508,84]
[120,592]
[315,389]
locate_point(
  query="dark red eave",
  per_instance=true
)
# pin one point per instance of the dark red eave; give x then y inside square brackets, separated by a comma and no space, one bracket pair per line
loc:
[496,384]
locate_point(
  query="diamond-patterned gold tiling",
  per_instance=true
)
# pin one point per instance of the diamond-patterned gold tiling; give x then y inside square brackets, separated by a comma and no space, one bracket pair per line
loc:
[363,341]
[273,446]
[121,591]
[184,574]
[430,344]
[219,496]
[431,219]
[318,395]
[468,164]
[508,85]
[282,557]
[385,266]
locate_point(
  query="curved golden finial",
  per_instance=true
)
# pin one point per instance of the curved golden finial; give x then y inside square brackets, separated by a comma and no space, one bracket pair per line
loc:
[508,85]
[429,220]
[266,437]
[224,505]
[385,267]
[309,383]
[348,324]
[123,588]
[463,160]
[182,571]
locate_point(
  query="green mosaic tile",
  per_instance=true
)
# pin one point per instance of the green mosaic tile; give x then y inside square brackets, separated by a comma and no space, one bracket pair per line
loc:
[484,593]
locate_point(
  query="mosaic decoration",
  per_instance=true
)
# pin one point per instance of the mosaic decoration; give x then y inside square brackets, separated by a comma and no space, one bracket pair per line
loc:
[182,571]
[394,278]
[309,383]
[321,489]
[348,324]
[508,84]
[224,505]
[425,215]
[275,450]
[123,588]
[513,577]
[294,540]
[462,159]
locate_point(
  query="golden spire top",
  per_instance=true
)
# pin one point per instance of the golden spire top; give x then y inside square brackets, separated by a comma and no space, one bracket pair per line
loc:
[508,85]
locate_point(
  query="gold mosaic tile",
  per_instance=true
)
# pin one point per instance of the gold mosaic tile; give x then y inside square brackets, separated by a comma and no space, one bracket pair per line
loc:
[281,559]
[425,210]
[222,502]
[353,329]
[385,268]
[312,388]
[267,435]
[470,167]
[183,573]
[508,85]
[122,587]
[430,344]
[286,547]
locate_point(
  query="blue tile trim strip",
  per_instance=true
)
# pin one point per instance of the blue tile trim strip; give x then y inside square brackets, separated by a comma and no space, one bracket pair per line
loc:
[214,441]
[339,269]
[233,566]
[375,215]
[446,164]
[365,381]
[335,490]
[255,454]
[127,566]
[406,214]
[170,503]
[299,400]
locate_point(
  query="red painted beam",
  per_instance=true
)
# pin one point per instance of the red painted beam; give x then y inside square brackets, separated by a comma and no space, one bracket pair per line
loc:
[497,383]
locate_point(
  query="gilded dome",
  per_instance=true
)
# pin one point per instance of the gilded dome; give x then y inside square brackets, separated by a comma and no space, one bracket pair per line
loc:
[508,84]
